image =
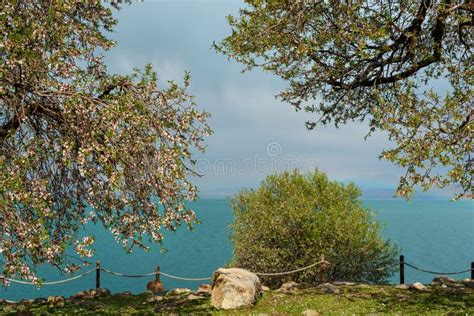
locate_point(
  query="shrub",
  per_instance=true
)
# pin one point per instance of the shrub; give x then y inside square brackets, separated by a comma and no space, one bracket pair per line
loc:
[293,219]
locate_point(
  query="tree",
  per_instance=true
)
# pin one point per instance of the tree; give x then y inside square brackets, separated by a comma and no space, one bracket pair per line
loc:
[78,144]
[292,219]
[375,61]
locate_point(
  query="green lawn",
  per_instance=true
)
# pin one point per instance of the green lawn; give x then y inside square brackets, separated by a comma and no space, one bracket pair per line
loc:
[350,300]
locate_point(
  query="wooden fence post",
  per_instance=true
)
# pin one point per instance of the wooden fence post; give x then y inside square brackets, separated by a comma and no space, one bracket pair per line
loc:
[157,275]
[322,270]
[402,269]
[472,270]
[97,274]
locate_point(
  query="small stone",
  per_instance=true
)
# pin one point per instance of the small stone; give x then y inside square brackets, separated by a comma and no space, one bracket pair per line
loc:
[442,280]
[40,300]
[418,287]
[88,304]
[265,288]
[343,283]
[328,288]
[8,309]
[155,299]
[193,297]
[21,310]
[468,282]
[79,295]
[203,289]
[55,301]
[444,286]
[123,294]
[289,287]
[310,312]
[103,292]
[402,287]
[179,291]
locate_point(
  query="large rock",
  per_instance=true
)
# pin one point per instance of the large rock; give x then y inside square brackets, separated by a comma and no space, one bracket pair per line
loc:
[233,288]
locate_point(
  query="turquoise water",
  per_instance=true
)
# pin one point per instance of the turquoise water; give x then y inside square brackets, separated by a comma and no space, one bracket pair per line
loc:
[436,235]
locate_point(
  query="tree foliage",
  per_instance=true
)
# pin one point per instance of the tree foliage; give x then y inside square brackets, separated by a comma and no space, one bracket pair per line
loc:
[292,219]
[377,61]
[78,144]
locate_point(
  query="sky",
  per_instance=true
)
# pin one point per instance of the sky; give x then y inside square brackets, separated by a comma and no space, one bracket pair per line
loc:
[255,134]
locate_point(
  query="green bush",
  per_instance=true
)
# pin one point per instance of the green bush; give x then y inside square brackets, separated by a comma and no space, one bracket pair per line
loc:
[293,219]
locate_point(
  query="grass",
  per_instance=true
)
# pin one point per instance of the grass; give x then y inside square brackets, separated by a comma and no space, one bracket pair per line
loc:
[350,300]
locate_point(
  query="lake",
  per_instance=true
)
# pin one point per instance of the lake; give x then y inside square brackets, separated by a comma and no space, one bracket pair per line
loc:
[435,235]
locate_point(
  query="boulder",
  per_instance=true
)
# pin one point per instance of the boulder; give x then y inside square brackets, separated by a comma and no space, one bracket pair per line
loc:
[418,287]
[402,287]
[26,301]
[234,288]
[310,312]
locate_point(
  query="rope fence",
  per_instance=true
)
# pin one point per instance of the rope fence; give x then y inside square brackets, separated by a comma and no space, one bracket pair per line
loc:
[322,263]
[50,282]
[438,273]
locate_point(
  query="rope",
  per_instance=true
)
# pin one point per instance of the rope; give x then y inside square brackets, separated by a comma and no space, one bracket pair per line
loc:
[209,278]
[373,270]
[292,271]
[387,267]
[154,273]
[434,272]
[48,283]
[128,275]
[184,279]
